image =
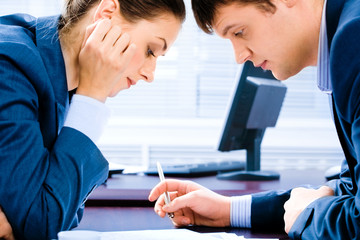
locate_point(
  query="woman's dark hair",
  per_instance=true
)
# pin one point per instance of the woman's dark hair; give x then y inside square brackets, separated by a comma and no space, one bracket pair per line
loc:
[131,10]
[205,10]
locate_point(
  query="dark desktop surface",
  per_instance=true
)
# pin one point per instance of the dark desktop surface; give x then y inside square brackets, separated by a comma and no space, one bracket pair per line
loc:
[106,219]
[123,188]
[121,204]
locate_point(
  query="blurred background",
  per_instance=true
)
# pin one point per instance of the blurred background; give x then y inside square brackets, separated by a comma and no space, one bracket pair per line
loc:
[178,118]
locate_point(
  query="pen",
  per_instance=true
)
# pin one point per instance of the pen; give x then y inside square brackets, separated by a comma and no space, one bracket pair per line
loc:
[166,194]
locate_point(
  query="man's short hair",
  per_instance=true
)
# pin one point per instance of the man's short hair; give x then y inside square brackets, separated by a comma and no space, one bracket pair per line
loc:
[205,10]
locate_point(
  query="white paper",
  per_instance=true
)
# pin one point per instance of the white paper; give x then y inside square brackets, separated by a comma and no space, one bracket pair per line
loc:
[165,234]
[173,234]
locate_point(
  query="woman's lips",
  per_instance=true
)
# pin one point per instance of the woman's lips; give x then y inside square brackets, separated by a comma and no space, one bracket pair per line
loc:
[130,82]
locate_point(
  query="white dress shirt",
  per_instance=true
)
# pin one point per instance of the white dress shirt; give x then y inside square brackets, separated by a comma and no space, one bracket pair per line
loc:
[88,116]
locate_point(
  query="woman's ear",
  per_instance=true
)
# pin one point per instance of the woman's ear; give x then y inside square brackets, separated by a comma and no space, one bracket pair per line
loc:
[106,9]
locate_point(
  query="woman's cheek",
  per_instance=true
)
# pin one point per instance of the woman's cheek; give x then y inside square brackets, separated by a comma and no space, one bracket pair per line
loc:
[135,63]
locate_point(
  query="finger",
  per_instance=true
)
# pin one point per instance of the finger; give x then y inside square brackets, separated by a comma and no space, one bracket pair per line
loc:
[181,221]
[181,202]
[122,43]
[98,32]
[171,185]
[128,54]
[88,32]
[158,207]
[327,190]
[112,36]
[286,205]
[159,189]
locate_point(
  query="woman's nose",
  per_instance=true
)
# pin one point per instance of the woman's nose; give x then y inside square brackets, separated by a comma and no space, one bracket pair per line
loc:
[148,70]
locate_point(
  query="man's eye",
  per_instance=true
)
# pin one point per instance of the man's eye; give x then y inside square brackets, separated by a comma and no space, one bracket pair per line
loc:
[150,52]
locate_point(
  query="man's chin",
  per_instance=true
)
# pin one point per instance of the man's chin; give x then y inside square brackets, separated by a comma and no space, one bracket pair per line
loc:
[282,75]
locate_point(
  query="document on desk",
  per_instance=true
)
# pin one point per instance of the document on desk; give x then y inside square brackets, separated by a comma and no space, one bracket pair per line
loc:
[173,234]
[233,236]
[166,234]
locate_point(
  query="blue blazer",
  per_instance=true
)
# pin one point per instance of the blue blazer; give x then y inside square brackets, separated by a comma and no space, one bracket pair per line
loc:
[46,170]
[336,217]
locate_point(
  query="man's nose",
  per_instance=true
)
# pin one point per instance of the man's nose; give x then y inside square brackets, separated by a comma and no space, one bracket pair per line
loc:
[242,53]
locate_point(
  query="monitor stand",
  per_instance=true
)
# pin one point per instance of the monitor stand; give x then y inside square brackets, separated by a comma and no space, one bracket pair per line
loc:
[252,172]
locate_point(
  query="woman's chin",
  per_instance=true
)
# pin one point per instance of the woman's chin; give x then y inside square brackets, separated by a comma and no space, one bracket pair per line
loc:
[115,93]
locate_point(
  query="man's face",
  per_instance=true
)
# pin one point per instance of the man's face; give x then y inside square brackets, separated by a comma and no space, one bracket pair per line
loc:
[278,41]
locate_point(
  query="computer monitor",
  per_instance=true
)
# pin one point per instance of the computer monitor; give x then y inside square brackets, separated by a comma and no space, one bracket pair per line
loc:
[255,105]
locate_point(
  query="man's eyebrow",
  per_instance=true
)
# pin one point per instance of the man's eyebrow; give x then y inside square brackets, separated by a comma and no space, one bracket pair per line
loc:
[226,29]
[165,44]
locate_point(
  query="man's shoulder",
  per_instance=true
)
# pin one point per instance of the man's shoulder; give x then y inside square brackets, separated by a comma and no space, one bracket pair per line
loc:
[344,66]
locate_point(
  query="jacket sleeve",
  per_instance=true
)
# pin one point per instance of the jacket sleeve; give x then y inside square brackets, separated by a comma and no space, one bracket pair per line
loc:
[338,217]
[267,210]
[43,189]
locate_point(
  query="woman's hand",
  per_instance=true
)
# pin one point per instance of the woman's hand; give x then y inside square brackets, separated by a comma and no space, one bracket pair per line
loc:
[191,204]
[104,56]
[6,232]
[299,199]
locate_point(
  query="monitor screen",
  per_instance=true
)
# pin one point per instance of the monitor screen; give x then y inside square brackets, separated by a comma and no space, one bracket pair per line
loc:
[254,105]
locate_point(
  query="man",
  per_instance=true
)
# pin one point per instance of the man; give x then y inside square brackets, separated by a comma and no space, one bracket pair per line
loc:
[286,36]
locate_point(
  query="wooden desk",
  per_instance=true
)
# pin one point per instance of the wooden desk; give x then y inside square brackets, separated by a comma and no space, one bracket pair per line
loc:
[133,190]
[144,218]
[122,203]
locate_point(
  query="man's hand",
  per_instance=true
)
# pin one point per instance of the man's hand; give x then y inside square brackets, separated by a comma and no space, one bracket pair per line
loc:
[191,204]
[5,228]
[299,199]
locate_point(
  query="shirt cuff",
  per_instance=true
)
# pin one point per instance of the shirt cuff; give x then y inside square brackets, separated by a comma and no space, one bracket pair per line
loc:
[240,211]
[88,116]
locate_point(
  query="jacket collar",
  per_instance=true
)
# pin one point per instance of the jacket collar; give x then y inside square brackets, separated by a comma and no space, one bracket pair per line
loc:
[333,11]
[47,40]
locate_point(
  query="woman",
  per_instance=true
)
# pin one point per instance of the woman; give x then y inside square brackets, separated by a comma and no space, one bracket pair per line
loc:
[56,73]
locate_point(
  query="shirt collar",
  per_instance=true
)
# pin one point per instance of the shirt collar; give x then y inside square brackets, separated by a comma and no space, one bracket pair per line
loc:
[323,69]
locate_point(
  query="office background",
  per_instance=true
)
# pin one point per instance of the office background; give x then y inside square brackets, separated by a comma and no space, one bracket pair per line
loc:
[178,117]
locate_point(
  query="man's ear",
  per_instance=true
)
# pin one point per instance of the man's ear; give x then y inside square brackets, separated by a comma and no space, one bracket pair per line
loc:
[106,9]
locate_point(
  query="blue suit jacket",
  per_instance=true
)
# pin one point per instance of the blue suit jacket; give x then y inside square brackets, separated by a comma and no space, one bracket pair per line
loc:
[46,171]
[335,217]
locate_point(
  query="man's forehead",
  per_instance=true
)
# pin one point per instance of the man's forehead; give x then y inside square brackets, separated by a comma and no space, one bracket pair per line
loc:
[226,16]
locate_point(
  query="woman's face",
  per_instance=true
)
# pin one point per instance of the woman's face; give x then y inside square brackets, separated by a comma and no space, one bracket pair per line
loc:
[153,39]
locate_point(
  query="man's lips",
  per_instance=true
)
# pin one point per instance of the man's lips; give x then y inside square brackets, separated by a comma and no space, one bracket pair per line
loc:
[262,65]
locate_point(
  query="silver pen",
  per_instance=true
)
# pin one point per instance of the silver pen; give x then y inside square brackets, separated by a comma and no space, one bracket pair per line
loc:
[166,194]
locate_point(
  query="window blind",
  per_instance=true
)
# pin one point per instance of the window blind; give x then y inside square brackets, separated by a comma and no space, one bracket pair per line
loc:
[185,105]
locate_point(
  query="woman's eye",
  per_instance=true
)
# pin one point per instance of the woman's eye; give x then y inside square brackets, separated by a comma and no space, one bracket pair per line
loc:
[239,33]
[150,52]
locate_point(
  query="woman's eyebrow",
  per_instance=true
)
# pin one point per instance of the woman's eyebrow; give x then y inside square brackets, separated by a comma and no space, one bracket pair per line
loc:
[165,43]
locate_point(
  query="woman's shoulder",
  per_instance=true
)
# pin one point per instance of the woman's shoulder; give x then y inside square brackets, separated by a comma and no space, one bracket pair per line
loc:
[17,34]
